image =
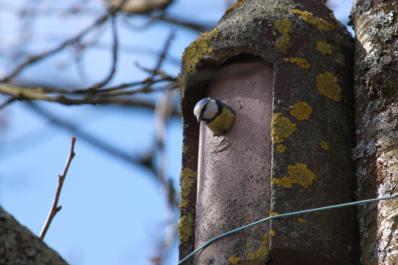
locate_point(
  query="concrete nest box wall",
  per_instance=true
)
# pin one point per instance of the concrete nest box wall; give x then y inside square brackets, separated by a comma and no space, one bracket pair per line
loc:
[285,68]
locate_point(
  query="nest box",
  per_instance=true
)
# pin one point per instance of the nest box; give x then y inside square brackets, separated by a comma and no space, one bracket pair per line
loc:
[285,68]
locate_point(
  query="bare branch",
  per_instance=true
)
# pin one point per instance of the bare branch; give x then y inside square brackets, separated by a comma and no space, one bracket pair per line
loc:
[162,114]
[183,23]
[191,25]
[41,56]
[88,138]
[115,52]
[61,178]
[109,98]
[142,6]
[7,102]
[163,54]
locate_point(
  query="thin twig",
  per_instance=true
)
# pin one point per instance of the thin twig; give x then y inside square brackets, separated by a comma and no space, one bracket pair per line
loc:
[146,82]
[95,141]
[38,57]
[115,52]
[7,102]
[163,54]
[183,23]
[61,178]
[162,115]
[108,98]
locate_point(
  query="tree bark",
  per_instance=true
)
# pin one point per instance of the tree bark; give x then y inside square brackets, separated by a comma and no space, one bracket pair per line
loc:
[19,246]
[376,81]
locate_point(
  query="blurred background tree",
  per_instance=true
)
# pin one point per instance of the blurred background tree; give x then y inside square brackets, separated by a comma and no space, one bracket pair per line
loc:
[105,72]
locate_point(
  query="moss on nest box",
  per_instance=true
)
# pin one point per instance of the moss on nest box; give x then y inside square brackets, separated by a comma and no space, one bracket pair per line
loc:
[197,50]
[318,23]
[326,84]
[235,5]
[298,174]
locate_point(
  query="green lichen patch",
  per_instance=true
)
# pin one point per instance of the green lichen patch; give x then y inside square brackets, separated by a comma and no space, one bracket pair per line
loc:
[302,220]
[282,128]
[187,181]
[281,148]
[297,174]
[272,213]
[318,23]
[197,50]
[301,111]
[323,47]
[284,26]
[326,84]
[300,62]
[324,145]
[185,228]
[233,260]
[235,5]
[272,233]
[261,253]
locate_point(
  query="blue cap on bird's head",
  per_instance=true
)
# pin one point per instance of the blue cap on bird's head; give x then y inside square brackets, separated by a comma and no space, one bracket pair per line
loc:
[218,116]
[200,107]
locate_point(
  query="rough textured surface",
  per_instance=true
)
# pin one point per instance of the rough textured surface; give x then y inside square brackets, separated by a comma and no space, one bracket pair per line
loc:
[18,246]
[234,170]
[376,92]
[311,55]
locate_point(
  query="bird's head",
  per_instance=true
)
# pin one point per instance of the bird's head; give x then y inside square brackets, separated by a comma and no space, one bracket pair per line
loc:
[206,109]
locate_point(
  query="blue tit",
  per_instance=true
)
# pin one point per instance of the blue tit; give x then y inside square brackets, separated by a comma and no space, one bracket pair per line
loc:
[218,117]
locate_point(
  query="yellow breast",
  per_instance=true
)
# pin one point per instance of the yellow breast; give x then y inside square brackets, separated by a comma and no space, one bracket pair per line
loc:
[223,122]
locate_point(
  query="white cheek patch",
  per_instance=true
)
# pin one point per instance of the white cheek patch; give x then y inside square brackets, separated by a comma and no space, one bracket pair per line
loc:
[210,111]
[197,110]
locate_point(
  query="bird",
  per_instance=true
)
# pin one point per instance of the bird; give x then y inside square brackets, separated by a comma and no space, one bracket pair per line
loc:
[218,117]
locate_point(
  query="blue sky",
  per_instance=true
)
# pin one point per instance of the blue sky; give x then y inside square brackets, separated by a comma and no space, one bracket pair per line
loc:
[112,212]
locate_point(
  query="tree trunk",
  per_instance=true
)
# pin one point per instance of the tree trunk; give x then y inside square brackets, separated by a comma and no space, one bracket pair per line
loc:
[19,246]
[376,83]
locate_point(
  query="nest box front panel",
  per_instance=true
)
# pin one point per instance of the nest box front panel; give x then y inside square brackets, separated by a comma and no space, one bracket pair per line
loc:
[234,170]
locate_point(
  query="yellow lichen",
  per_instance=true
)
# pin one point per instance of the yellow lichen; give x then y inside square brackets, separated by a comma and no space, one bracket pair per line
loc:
[324,145]
[180,82]
[184,149]
[301,111]
[326,84]
[234,6]
[282,128]
[272,213]
[317,22]
[187,180]
[261,253]
[284,26]
[323,47]
[280,148]
[302,220]
[185,227]
[197,50]
[283,43]
[300,62]
[298,174]
[272,233]
[233,260]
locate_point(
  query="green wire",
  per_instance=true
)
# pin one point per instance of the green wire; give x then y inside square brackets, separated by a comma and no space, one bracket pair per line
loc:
[283,215]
